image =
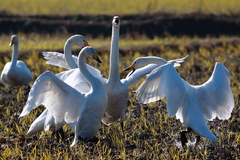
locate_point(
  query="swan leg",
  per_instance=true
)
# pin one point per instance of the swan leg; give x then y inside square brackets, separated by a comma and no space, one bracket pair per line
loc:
[59,134]
[122,125]
[27,89]
[183,136]
[198,139]
[93,140]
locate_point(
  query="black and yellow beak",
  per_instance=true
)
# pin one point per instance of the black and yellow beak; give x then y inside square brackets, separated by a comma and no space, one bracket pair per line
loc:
[11,43]
[132,67]
[95,56]
[116,20]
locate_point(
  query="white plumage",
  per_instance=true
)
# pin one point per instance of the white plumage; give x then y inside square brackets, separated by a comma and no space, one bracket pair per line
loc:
[15,73]
[66,60]
[192,104]
[83,111]
[117,89]
[71,77]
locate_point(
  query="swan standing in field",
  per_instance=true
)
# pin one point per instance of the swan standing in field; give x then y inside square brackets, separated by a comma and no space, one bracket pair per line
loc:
[192,104]
[15,73]
[59,59]
[117,89]
[82,110]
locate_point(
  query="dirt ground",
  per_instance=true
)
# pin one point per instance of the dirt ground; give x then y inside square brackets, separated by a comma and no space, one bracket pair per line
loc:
[158,24]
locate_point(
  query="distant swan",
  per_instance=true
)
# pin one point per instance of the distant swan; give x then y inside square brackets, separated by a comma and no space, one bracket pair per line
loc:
[193,105]
[15,73]
[83,111]
[117,89]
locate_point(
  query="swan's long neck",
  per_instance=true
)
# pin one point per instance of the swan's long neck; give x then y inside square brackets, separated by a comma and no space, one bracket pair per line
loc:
[153,60]
[14,55]
[114,56]
[93,81]
[68,55]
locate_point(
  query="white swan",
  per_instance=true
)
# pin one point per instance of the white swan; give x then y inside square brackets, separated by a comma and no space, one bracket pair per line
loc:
[15,73]
[70,77]
[59,59]
[193,105]
[117,89]
[83,111]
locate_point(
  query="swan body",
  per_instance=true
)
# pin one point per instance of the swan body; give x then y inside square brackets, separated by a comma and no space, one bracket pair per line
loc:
[57,59]
[15,73]
[192,104]
[65,60]
[82,111]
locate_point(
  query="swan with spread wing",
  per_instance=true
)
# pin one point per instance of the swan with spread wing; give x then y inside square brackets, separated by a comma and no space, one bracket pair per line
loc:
[192,104]
[82,111]
[72,77]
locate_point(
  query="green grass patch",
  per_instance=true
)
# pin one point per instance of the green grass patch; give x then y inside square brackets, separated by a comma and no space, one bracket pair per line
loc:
[61,7]
[55,42]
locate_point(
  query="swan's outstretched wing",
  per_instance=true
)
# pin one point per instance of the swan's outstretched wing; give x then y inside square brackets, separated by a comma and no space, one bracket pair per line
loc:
[163,81]
[177,62]
[74,78]
[58,97]
[57,59]
[135,75]
[217,94]
[138,74]
[38,124]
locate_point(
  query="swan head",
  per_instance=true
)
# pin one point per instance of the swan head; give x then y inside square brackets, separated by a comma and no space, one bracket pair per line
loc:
[91,52]
[116,21]
[137,63]
[78,40]
[14,40]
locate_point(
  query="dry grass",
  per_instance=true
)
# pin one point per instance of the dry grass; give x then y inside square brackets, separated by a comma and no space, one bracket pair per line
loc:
[148,133]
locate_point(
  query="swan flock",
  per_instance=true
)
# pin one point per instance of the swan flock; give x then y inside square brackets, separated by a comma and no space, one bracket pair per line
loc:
[82,98]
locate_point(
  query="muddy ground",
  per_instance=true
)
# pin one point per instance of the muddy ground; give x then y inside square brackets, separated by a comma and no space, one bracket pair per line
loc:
[158,24]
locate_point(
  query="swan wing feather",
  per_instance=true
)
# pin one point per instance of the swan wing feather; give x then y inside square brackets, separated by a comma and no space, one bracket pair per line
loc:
[48,87]
[161,83]
[133,78]
[216,94]
[57,59]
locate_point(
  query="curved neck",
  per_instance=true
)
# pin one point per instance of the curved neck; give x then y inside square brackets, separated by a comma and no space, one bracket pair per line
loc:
[153,60]
[68,55]
[93,81]
[14,54]
[114,56]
